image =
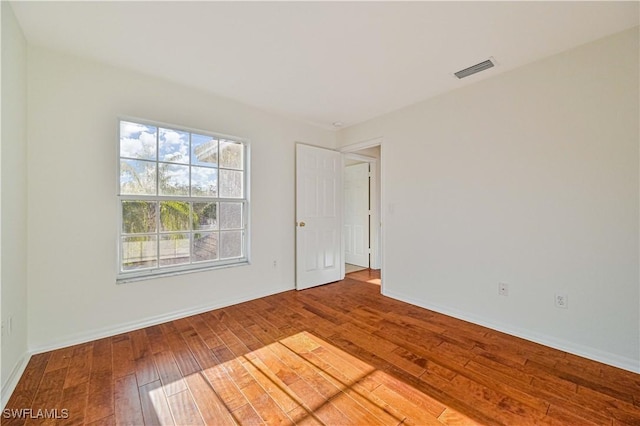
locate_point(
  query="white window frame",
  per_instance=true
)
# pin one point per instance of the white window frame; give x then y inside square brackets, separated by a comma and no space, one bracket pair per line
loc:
[163,271]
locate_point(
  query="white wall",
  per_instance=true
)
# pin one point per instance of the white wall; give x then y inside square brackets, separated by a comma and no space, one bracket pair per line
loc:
[13,211]
[528,178]
[73,210]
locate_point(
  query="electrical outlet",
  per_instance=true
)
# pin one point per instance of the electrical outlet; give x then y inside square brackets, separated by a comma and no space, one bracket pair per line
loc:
[562,300]
[503,289]
[275,264]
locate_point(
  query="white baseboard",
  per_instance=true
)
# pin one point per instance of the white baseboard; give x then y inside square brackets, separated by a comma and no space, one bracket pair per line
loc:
[12,381]
[604,357]
[100,333]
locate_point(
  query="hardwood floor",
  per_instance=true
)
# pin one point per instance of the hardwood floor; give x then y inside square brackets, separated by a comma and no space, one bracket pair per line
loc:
[371,276]
[337,354]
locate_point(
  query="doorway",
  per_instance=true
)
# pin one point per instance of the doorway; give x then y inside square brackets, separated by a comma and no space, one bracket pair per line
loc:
[357,215]
[362,195]
[320,254]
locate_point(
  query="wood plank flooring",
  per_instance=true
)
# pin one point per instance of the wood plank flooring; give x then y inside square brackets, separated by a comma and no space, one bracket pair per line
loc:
[339,354]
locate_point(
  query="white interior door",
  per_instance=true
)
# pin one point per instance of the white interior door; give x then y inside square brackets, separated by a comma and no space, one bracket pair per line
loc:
[318,216]
[356,214]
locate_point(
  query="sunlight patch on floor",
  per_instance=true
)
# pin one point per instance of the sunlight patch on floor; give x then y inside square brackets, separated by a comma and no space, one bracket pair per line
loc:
[311,380]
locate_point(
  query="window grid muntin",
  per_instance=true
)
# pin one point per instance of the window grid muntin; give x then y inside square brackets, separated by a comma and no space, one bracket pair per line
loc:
[191,231]
[132,274]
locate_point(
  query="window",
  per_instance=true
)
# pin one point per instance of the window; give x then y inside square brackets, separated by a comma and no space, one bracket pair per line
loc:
[183,200]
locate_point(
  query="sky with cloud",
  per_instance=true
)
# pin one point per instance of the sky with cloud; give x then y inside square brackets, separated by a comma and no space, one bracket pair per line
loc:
[141,145]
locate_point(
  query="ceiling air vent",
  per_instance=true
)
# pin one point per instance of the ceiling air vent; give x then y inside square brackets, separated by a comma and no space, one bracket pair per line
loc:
[474,69]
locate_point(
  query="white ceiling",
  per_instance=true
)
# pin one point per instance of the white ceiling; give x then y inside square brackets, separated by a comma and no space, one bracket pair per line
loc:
[320,62]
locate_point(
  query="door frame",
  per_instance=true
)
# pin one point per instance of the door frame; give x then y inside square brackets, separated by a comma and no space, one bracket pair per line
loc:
[376,232]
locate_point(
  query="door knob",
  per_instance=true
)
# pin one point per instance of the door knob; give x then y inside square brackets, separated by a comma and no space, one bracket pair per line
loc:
[302,224]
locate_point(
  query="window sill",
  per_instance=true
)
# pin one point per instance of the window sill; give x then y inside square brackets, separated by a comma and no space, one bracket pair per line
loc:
[164,274]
